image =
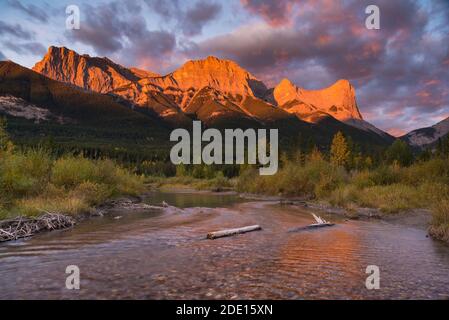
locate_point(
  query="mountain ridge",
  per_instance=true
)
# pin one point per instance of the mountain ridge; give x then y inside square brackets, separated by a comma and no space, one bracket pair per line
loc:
[169,95]
[38,106]
[423,137]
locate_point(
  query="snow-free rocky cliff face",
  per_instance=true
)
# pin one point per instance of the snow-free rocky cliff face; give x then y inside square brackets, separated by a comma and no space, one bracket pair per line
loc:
[230,89]
[91,73]
[337,100]
[426,136]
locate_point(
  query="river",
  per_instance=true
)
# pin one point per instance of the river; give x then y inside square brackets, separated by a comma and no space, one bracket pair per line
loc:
[163,254]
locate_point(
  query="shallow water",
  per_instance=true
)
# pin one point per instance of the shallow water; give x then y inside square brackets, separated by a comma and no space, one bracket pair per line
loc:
[160,254]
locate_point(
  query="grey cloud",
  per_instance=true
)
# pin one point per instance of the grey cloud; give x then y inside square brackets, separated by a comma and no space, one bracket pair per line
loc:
[118,29]
[31,10]
[191,20]
[166,9]
[402,66]
[28,48]
[101,28]
[15,30]
[196,17]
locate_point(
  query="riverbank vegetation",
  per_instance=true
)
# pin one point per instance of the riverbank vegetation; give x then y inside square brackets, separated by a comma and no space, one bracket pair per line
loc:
[439,227]
[34,181]
[400,182]
[395,181]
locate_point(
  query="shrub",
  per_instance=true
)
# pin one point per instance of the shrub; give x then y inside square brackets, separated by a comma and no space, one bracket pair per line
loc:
[433,170]
[344,196]
[316,178]
[399,152]
[440,220]
[31,182]
[391,198]
[381,176]
[71,171]
[24,173]
[92,193]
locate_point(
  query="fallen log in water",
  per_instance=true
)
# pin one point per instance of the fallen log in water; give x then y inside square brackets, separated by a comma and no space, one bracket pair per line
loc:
[232,232]
[312,226]
[23,227]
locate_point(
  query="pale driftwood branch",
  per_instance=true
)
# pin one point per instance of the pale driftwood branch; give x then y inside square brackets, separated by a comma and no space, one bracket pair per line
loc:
[23,227]
[231,232]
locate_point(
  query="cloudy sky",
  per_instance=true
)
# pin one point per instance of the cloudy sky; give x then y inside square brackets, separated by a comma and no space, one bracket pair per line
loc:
[400,72]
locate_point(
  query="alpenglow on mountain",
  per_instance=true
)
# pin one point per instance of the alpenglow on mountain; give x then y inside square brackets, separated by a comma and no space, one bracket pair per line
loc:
[210,90]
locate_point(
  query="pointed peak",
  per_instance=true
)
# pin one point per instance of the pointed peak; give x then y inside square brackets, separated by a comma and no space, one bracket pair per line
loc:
[54,50]
[342,83]
[286,82]
[213,58]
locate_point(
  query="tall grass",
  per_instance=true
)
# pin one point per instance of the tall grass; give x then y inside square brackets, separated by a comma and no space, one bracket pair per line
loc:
[33,182]
[390,188]
[439,227]
[316,178]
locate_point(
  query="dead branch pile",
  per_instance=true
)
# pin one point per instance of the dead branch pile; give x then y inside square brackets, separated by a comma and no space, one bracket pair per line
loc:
[23,227]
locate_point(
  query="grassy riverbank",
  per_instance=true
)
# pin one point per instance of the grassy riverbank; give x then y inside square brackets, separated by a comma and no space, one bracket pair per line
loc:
[33,182]
[396,182]
[38,180]
[390,188]
[216,184]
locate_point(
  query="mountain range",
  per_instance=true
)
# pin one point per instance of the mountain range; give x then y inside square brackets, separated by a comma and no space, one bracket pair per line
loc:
[230,88]
[427,136]
[69,89]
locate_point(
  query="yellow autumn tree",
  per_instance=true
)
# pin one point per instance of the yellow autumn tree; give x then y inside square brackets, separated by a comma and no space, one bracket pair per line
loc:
[340,153]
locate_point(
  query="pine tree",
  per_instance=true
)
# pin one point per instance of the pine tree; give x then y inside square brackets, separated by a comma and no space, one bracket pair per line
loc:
[399,152]
[340,153]
[5,142]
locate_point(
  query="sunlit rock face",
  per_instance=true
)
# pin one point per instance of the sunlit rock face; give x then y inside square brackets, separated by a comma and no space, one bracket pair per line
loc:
[223,75]
[338,100]
[167,96]
[91,73]
[104,76]
[231,91]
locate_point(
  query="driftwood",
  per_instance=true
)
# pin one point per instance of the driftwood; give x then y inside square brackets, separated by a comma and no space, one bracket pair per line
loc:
[23,227]
[313,226]
[232,232]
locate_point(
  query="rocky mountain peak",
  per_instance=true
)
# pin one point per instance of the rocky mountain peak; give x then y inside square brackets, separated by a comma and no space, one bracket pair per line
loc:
[338,100]
[285,92]
[171,95]
[223,75]
[91,73]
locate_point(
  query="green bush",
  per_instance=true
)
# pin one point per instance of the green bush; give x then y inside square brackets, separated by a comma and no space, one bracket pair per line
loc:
[316,178]
[439,227]
[433,170]
[23,173]
[31,182]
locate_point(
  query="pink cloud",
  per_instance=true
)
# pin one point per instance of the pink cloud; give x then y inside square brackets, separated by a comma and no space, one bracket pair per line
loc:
[275,13]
